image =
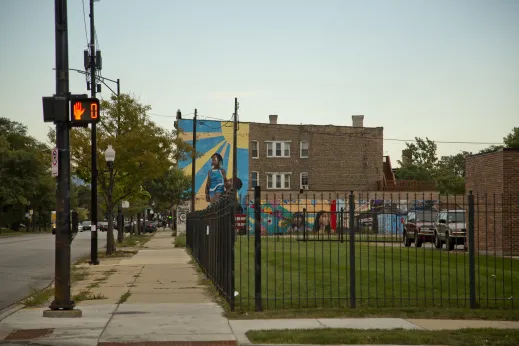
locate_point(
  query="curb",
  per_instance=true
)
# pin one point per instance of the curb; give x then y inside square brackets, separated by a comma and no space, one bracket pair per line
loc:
[17,306]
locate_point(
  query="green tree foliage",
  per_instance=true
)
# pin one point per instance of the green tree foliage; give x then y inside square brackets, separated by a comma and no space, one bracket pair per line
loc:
[25,176]
[172,188]
[448,173]
[144,151]
[512,139]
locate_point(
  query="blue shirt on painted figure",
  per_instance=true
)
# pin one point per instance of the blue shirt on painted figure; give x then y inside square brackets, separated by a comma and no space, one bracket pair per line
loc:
[217,183]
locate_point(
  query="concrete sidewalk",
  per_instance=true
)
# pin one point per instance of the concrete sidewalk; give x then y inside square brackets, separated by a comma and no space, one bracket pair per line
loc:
[153,298]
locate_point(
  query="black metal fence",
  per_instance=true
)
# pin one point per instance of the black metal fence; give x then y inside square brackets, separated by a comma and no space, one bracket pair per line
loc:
[210,237]
[378,250]
[361,250]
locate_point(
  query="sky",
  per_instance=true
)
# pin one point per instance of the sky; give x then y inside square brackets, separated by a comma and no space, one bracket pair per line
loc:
[444,69]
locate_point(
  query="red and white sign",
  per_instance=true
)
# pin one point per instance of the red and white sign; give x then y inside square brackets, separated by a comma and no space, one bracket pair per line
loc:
[55,162]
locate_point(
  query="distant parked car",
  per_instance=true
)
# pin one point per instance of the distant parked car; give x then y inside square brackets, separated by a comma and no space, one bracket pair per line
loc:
[451,229]
[150,226]
[102,226]
[419,227]
[85,226]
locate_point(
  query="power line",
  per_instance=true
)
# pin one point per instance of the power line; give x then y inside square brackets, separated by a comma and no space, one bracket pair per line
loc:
[84,21]
[333,134]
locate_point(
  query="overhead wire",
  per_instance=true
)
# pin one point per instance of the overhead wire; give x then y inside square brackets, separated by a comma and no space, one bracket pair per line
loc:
[336,134]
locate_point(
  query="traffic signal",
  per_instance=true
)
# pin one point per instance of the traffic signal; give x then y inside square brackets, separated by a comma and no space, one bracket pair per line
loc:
[84,111]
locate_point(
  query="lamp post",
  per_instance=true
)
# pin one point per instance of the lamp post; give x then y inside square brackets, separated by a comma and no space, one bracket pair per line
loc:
[93,203]
[110,158]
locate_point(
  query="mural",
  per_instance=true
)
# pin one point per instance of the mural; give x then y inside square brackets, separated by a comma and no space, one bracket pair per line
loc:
[215,137]
[324,216]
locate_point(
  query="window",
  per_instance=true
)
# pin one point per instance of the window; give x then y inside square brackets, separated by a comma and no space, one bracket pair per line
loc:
[254,147]
[254,179]
[303,147]
[304,179]
[278,180]
[278,149]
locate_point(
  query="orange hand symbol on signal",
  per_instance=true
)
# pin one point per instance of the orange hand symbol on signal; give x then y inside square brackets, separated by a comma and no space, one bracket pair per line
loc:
[78,110]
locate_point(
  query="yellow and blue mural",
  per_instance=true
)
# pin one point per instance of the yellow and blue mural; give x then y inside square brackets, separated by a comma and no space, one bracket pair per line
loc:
[215,137]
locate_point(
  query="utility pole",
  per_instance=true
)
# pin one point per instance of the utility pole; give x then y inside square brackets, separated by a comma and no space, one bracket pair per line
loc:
[62,302]
[93,211]
[234,146]
[193,165]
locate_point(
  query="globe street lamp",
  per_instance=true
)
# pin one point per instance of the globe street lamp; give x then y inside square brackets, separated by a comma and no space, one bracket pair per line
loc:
[110,158]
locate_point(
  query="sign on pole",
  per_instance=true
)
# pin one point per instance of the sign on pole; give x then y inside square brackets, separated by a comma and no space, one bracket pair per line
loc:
[55,163]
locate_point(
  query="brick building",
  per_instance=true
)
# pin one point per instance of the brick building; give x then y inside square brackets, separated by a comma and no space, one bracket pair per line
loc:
[494,180]
[315,157]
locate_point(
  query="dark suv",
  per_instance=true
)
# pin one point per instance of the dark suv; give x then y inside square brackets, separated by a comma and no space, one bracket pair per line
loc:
[419,227]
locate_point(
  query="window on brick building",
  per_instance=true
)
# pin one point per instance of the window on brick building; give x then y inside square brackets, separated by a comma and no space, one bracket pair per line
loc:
[304,180]
[278,180]
[278,149]
[254,179]
[254,148]
[303,148]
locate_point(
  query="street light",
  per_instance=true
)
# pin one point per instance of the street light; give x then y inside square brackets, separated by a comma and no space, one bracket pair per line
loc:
[110,157]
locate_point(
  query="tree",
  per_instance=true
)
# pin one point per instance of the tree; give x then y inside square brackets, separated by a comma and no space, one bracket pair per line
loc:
[421,163]
[24,171]
[144,151]
[512,139]
[170,189]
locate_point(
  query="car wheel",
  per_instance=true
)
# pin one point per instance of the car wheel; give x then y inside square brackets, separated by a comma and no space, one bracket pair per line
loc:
[451,242]
[407,241]
[417,241]
[437,241]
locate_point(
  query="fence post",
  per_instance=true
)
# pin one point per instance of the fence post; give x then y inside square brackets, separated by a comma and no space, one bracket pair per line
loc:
[304,224]
[353,298]
[341,225]
[257,248]
[472,265]
[232,240]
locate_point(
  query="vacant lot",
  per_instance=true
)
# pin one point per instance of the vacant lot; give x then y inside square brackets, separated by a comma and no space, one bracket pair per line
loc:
[297,274]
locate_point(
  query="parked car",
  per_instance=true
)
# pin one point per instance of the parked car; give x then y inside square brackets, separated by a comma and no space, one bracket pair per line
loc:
[150,226]
[85,226]
[451,229]
[419,227]
[102,226]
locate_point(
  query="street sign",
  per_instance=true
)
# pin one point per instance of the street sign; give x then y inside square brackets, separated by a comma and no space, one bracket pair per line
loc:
[125,204]
[84,111]
[55,162]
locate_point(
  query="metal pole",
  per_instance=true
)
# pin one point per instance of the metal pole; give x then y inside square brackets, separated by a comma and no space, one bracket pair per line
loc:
[193,165]
[93,211]
[353,298]
[234,146]
[257,248]
[472,265]
[62,299]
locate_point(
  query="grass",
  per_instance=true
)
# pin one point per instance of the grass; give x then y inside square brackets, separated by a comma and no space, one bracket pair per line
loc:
[78,274]
[463,337]
[135,240]
[38,297]
[87,295]
[124,297]
[117,254]
[316,274]
[180,241]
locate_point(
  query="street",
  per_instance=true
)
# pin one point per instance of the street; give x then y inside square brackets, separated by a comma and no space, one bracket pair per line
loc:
[28,262]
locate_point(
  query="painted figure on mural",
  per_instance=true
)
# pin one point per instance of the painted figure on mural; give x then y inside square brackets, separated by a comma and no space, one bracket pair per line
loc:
[216,179]
[230,193]
[298,221]
[322,223]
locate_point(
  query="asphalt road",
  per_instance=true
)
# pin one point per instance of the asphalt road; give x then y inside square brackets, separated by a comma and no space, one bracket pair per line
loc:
[28,262]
